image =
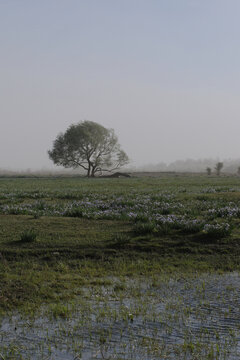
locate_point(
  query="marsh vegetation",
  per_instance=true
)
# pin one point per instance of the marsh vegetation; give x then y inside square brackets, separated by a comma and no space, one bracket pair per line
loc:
[120,268]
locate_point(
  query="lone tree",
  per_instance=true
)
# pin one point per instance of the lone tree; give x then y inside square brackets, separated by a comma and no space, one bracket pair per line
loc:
[209,171]
[218,167]
[90,146]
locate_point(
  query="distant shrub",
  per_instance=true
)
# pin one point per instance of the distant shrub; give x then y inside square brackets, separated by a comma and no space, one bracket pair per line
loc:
[28,235]
[209,171]
[218,167]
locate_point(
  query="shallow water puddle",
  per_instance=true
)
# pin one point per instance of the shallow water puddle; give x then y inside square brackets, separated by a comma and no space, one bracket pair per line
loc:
[180,318]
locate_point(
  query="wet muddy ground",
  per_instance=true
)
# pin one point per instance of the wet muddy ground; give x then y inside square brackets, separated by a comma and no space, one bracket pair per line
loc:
[195,317]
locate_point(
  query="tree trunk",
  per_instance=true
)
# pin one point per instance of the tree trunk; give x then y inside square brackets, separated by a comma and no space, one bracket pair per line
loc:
[89,170]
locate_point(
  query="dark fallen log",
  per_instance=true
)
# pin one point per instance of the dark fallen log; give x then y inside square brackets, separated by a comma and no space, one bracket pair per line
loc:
[116,175]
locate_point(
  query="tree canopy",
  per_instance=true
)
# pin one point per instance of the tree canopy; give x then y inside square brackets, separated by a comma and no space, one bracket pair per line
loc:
[219,167]
[90,146]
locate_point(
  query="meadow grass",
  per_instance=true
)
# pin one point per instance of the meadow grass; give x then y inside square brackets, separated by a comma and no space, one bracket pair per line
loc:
[69,251]
[62,238]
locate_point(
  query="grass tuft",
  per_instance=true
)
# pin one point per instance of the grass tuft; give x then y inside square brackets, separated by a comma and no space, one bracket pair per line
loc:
[28,236]
[144,228]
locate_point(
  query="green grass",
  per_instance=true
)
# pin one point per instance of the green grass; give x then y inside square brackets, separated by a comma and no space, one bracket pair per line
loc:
[71,252]
[83,269]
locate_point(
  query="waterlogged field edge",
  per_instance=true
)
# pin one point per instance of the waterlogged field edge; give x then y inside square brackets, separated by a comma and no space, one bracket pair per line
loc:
[61,239]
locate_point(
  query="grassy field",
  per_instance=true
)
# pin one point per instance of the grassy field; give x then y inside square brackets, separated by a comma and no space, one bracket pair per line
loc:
[65,242]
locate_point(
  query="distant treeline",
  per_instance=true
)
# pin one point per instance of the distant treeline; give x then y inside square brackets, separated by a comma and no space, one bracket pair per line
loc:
[230,166]
[40,173]
[190,165]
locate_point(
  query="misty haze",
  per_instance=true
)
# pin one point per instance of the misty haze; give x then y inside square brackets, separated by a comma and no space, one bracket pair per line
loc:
[119,180]
[164,75]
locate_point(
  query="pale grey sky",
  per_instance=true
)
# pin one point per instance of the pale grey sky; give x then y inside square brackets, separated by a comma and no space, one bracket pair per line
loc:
[165,74]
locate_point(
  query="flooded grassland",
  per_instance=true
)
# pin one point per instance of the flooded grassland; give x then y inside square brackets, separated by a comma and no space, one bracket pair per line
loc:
[120,269]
